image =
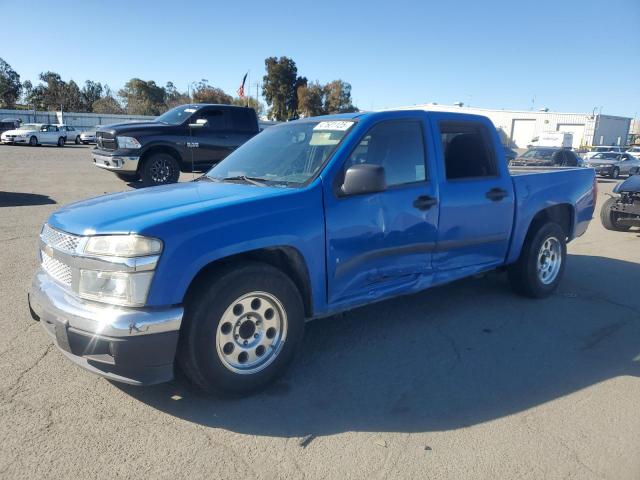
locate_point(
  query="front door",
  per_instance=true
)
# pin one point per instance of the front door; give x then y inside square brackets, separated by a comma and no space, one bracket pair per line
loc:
[213,140]
[379,244]
[476,198]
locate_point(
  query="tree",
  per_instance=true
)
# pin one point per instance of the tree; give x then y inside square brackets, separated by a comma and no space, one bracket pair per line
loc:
[253,103]
[172,97]
[27,89]
[91,93]
[280,87]
[311,100]
[338,97]
[72,99]
[142,97]
[205,93]
[107,104]
[10,86]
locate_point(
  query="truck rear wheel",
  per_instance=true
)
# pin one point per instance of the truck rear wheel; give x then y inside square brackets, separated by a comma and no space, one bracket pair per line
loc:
[609,218]
[539,269]
[241,330]
[160,169]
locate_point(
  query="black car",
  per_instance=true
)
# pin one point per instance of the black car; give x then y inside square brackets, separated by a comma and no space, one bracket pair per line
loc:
[623,212]
[184,139]
[547,157]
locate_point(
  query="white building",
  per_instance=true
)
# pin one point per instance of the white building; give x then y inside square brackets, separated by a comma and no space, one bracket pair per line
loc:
[518,128]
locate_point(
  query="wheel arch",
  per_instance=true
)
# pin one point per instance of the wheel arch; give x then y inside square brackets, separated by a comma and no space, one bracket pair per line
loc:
[152,150]
[285,258]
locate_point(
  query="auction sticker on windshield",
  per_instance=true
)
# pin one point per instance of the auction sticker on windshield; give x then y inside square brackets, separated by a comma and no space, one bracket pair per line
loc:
[336,125]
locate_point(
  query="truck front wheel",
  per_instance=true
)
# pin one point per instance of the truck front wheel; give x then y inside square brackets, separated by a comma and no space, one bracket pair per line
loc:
[539,269]
[160,169]
[241,329]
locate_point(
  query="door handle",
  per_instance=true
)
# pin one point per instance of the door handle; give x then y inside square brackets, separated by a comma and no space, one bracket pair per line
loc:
[496,194]
[424,202]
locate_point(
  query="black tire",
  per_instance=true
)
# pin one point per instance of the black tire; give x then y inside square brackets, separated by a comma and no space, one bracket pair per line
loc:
[33,141]
[198,357]
[61,142]
[160,169]
[615,173]
[524,276]
[128,177]
[77,140]
[609,218]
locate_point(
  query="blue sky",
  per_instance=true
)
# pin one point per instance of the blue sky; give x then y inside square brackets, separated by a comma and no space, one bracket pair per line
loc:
[568,55]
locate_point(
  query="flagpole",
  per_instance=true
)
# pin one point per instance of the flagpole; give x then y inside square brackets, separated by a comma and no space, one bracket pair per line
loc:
[249,77]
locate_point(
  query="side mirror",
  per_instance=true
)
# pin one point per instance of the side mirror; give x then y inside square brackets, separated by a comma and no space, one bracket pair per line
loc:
[364,178]
[201,122]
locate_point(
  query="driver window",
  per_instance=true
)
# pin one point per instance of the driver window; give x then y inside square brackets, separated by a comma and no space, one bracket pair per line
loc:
[397,147]
[216,119]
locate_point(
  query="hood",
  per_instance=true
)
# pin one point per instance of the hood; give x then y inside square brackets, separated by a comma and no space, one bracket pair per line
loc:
[631,185]
[602,161]
[19,132]
[132,126]
[136,210]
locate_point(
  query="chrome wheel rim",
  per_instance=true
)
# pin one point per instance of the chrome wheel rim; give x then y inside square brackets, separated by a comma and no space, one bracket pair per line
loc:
[161,170]
[251,333]
[549,260]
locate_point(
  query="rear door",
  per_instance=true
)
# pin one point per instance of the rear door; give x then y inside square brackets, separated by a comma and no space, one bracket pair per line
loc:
[244,125]
[476,198]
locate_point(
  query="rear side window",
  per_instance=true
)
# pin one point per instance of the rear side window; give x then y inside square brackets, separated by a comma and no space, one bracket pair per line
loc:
[216,119]
[468,151]
[398,147]
[243,120]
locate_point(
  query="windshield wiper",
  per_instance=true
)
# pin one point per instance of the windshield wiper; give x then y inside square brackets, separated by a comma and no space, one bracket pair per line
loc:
[261,182]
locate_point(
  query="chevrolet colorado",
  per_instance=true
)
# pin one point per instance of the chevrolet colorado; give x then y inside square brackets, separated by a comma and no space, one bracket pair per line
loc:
[309,218]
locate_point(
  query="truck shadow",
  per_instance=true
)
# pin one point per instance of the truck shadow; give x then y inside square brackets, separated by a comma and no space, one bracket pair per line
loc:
[20,199]
[443,359]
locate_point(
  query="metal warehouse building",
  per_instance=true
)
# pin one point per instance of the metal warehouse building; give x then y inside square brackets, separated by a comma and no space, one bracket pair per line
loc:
[517,128]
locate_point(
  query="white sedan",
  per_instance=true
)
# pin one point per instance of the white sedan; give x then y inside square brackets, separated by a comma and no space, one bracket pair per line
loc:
[34,134]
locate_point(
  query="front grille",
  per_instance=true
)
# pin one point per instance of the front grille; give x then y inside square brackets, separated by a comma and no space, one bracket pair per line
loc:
[106,141]
[56,269]
[59,240]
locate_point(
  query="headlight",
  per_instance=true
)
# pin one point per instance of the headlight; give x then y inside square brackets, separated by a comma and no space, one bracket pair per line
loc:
[123,245]
[128,142]
[119,288]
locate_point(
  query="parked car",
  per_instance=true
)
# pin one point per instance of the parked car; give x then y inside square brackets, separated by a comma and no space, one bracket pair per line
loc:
[71,134]
[602,149]
[547,157]
[89,136]
[9,124]
[553,139]
[34,134]
[307,219]
[623,212]
[634,150]
[186,138]
[612,164]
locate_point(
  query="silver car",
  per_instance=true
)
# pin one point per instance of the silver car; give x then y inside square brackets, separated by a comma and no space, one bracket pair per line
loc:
[613,164]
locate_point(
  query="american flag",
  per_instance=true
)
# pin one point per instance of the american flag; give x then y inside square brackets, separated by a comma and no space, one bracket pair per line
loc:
[240,90]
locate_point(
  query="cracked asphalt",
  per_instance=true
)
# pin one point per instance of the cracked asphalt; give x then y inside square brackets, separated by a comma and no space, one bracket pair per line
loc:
[462,381]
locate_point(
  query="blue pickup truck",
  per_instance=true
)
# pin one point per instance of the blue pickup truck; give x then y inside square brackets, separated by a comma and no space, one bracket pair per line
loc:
[309,218]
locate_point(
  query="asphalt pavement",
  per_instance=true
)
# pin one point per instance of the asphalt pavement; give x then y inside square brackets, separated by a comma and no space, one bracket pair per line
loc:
[462,381]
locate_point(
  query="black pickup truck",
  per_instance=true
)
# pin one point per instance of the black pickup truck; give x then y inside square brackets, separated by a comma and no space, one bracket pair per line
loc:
[185,138]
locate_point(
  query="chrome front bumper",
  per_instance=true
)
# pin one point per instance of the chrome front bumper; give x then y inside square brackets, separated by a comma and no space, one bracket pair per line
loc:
[131,345]
[118,163]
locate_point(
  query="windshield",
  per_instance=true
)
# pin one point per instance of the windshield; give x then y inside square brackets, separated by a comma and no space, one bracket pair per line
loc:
[29,126]
[177,115]
[606,156]
[544,153]
[288,154]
